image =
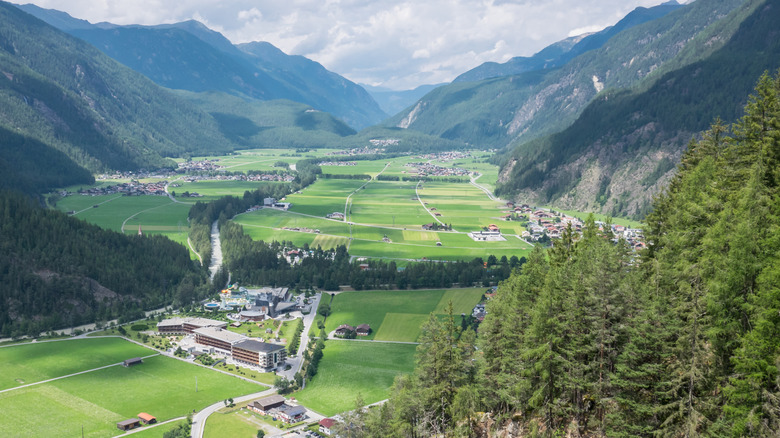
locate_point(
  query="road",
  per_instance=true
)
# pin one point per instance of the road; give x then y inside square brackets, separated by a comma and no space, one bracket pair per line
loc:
[199,420]
[297,361]
[417,193]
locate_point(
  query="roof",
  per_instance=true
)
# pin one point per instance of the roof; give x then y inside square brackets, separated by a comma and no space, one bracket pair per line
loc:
[363,327]
[250,313]
[292,411]
[327,422]
[128,422]
[133,360]
[200,322]
[146,417]
[257,346]
[272,400]
[222,335]
[346,327]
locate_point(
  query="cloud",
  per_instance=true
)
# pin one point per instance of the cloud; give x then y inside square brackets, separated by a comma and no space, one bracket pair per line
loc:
[396,43]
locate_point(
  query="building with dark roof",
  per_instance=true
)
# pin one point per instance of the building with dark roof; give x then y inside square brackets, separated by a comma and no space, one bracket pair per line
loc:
[131,362]
[262,354]
[185,326]
[363,329]
[264,405]
[344,330]
[128,424]
[291,414]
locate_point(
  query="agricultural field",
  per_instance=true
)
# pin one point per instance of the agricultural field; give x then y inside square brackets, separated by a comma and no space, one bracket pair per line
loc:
[398,315]
[349,369]
[96,400]
[22,364]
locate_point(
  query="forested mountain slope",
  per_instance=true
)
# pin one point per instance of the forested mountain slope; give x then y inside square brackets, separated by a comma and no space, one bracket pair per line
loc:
[591,340]
[66,94]
[189,56]
[624,146]
[497,111]
[59,271]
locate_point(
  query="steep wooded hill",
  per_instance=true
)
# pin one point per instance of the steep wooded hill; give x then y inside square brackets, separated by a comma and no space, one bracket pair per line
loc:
[497,111]
[58,271]
[66,94]
[189,56]
[625,145]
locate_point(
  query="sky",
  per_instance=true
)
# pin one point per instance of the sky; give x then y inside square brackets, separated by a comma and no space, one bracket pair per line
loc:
[395,44]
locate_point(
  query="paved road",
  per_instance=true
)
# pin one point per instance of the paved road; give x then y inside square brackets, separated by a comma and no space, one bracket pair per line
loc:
[199,420]
[417,193]
[308,320]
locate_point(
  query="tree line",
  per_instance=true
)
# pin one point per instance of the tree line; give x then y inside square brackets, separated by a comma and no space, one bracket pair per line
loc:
[593,340]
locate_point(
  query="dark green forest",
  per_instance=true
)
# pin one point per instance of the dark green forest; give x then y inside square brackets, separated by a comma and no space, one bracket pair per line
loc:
[58,272]
[593,340]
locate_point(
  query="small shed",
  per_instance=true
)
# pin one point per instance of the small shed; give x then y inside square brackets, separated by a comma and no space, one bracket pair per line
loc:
[128,424]
[146,418]
[133,361]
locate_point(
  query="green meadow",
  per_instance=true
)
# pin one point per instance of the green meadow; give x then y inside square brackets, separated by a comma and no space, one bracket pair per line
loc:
[27,363]
[161,386]
[398,315]
[349,369]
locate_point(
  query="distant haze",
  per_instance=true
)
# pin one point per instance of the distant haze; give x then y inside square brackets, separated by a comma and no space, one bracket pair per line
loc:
[395,44]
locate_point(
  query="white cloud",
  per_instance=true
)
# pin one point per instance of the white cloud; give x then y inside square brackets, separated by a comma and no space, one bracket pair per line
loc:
[396,43]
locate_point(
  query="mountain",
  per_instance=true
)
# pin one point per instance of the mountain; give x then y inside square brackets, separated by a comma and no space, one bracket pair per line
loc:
[189,56]
[392,101]
[59,91]
[625,145]
[59,271]
[495,112]
[563,51]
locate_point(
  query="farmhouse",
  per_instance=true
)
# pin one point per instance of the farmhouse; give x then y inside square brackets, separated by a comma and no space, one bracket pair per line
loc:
[184,326]
[264,405]
[343,330]
[363,330]
[128,424]
[326,424]
[291,414]
[487,236]
[133,361]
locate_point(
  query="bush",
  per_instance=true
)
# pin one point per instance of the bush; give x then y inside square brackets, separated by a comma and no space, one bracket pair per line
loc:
[139,327]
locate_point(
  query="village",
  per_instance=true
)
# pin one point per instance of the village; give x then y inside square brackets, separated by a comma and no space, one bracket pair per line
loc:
[428,169]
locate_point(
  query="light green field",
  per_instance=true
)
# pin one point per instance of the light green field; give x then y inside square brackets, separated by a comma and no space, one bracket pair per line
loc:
[239,424]
[324,196]
[161,386]
[156,431]
[215,189]
[350,368]
[397,315]
[22,364]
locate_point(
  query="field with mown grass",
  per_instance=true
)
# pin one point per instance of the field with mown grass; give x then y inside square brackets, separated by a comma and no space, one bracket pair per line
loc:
[398,315]
[349,369]
[97,400]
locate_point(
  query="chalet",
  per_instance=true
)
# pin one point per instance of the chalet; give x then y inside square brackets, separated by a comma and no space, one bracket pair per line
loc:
[264,405]
[291,414]
[363,329]
[131,362]
[344,330]
[492,227]
[326,424]
[146,418]
[427,226]
[128,424]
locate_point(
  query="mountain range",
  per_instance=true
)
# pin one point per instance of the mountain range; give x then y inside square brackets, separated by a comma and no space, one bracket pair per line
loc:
[189,56]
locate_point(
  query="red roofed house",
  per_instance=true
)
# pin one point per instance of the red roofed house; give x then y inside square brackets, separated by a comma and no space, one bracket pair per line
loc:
[326,424]
[146,418]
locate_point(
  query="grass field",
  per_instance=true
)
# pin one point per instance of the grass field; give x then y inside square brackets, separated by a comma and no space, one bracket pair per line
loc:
[22,364]
[161,386]
[350,368]
[238,424]
[397,315]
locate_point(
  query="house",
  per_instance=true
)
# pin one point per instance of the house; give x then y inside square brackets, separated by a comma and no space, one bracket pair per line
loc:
[326,424]
[264,405]
[363,330]
[184,326]
[291,414]
[128,424]
[344,330]
[133,361]
[146,418]
[427,226]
